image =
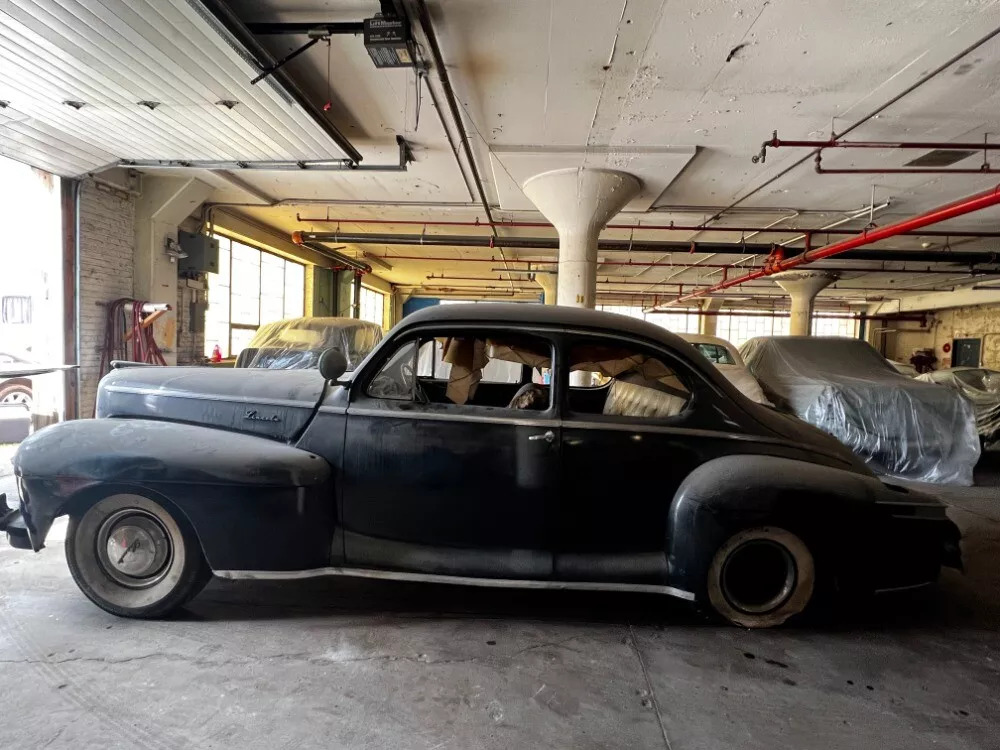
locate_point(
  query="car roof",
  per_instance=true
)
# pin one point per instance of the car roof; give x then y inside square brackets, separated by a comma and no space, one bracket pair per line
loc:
[536,314]
[330,322]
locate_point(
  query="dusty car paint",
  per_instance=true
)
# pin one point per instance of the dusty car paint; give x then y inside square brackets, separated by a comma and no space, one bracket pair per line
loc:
[541,498]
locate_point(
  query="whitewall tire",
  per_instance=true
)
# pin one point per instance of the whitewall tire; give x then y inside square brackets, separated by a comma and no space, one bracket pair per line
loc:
[761,576]
[133,558]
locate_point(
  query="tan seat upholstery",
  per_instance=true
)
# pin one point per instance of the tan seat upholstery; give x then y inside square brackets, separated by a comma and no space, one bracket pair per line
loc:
[630,400]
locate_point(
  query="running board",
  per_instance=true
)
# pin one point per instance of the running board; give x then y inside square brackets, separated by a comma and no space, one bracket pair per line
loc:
[505,583]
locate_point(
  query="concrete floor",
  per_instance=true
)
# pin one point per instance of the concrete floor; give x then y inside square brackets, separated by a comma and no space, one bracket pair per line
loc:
[359,664]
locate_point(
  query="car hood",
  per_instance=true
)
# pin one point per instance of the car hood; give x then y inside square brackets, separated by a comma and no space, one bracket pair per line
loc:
[270,403]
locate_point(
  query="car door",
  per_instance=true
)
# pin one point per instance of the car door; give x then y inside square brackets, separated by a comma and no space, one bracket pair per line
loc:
[439,474]
[636,421]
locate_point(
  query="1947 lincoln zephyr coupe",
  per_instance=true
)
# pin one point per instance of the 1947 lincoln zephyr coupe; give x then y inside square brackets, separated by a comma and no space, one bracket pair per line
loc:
[497,445]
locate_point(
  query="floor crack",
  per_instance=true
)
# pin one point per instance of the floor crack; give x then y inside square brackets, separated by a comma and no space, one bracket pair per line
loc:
[649,687]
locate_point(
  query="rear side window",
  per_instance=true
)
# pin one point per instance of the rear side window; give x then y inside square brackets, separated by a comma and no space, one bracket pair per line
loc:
[634,384]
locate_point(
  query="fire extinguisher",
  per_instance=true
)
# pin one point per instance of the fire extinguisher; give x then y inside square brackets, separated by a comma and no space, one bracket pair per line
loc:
[216,353]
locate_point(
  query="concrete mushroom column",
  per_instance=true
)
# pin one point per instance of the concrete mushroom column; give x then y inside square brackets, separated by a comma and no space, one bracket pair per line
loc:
[802,287]
[579,202]
[548,282]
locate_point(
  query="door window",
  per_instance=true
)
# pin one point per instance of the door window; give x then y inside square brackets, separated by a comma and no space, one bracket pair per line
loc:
[464,370]
[622,381]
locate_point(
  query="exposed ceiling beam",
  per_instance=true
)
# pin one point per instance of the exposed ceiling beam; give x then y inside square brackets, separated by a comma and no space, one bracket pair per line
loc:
[551,243]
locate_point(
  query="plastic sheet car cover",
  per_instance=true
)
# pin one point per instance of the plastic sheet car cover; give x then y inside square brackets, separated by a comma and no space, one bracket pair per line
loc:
[297,343]
[981,387]
[900,427]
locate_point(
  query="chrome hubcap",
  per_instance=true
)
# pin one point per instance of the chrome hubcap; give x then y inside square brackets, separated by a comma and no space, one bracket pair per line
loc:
[759,576]
[133,548]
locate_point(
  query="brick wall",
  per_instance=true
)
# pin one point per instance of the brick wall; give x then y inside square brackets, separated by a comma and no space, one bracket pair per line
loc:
[190,343]
[107,241]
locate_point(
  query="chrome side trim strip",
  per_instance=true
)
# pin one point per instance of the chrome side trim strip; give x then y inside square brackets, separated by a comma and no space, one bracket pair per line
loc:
[911,587]
[333,409]
[443,417]
[668,430]
[638,427]
[394,575]
[246,401]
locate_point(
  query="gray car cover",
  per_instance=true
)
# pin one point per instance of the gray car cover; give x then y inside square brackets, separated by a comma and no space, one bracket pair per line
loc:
[901,427]
[297,343]
[981,387]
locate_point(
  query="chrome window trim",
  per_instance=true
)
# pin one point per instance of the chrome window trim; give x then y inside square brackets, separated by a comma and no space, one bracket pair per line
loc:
[254,401]
[553,423]
[360,411]
[394,575]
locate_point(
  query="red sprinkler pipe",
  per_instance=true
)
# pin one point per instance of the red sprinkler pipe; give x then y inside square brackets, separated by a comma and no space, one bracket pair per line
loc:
[950,211]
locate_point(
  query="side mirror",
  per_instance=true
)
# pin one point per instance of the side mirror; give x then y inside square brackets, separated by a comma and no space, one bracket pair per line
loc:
[332,364]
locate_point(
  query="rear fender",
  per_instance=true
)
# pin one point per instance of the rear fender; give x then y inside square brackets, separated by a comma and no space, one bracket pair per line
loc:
[241,494]
[828,507]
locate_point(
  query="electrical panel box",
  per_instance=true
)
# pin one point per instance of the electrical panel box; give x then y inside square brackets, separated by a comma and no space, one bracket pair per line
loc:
[202,253]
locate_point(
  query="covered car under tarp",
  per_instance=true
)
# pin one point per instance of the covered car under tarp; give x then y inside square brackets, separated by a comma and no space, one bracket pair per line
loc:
[981,387]
[297,343]
[901,427]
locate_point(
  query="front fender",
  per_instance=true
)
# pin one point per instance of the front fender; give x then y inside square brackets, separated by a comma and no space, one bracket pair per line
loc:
[829,506]
[195,467]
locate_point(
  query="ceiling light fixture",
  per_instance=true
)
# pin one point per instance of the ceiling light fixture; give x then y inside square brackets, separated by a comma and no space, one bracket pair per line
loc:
[75,104]
[148,104]
[227,103]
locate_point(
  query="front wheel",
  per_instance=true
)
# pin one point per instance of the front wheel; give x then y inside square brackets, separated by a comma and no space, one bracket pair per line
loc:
[760,577]
[132,558]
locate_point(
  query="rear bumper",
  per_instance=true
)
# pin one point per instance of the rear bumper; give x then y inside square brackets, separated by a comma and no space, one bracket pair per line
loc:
[913,541]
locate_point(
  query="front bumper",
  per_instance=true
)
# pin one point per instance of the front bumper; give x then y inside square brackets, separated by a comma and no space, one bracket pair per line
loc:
[12,522]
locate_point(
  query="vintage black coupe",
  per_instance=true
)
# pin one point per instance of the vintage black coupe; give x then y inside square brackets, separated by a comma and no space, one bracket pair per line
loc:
[617,459]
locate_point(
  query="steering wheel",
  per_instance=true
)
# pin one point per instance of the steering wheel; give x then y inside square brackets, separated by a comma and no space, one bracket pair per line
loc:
[406,375]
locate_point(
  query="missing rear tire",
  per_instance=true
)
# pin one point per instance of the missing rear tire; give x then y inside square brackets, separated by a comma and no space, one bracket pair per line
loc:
[760,577]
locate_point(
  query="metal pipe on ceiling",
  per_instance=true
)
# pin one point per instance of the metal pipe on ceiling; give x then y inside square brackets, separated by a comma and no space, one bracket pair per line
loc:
[231,23]
[652,284]
[302,165]
[929,75]
[775,142]
[629,246]
[503,224]
[961,207]
[449,94]
[344,260]
[265,28]
[639,264]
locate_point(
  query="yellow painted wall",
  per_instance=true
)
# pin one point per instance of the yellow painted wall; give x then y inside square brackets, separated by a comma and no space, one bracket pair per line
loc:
[981,322]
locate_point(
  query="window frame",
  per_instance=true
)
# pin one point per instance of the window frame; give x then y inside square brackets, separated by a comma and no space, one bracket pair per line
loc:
[263,250]
[688,375]
[359,395]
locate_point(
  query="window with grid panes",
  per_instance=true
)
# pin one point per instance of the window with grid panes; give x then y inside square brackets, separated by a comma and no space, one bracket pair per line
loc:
[253,287]
[372,305]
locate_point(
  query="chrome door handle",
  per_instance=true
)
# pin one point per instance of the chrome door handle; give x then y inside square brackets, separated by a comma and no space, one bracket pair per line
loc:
[548,436]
